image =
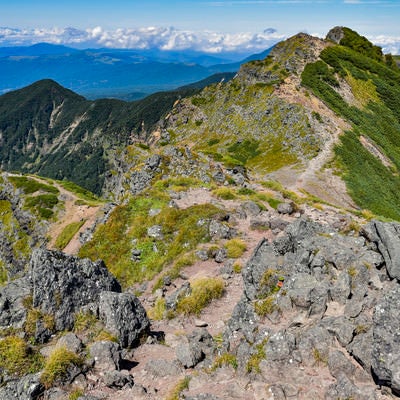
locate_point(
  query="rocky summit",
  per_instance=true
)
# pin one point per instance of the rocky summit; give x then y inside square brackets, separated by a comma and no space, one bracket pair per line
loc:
[243,241]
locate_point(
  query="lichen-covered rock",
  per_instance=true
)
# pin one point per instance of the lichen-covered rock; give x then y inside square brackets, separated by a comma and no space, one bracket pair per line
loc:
[106,355]
[124,316]
[28,387]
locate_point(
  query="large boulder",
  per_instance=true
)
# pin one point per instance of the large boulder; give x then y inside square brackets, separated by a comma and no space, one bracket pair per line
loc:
[124,316]
[63,284]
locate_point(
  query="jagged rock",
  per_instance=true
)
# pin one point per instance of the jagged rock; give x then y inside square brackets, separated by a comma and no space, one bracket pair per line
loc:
[139,180]
[386,344]
[63,284]
[263,258]
[124,316]
[336,34]
[59,394]
[106,355]
[199,345]
[387,237]
[203,396]
[285,208]
[278,224]
[153,162]
[28,387]
[117,379]
[172,300]
[12,310]
[243,320]
[162,368]
[300,287]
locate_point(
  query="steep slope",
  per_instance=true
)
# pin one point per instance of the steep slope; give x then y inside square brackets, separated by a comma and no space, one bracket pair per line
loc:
[47,129]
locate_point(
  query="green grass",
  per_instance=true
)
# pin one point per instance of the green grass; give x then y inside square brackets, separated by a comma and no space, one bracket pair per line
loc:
[225,360]
[31,185]
[42,205]
[67,234]
[225,193]
[82,193]
[183,230]
[57,365]
[17,358]
[179,388]
[204,290]
[253,364]
[371,185]
[235,248]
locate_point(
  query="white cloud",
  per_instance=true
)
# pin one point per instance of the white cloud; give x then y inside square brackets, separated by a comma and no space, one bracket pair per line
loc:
[164,38]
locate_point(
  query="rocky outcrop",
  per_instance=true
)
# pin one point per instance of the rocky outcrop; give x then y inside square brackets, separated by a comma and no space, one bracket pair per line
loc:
[62,285]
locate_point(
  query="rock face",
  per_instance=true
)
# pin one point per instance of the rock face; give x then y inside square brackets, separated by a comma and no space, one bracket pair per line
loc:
[124,316]
[387,237]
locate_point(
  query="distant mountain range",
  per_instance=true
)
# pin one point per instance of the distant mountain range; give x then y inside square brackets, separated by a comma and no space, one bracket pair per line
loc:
[96,73]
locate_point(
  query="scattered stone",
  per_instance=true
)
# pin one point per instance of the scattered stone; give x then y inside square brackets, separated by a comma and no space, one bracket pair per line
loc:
[285,208]
[162,368]
[117,379]
[202,255]
[71,342]
[251,208]
[155,232]
[106,355]
[200,323]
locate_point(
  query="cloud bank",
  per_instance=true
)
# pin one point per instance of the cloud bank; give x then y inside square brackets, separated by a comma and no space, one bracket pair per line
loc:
[162,38]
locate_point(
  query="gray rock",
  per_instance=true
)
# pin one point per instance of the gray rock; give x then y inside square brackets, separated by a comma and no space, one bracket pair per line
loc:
[202,255]
[153,162]
[63,284]
[341,327]
[251,208]
[387,237]
[199,344]
[220,255]
[341,290]
[71,342]
[280,346]
[28,387]
[12,310]
[189,355]
[124,316]
[361,349]
[106,355]
[300,287]
[263,258]
[117,380]
[161,368]
[155,232]
[278,224]
[243,320]
[172,300]
[285,208]
[203,396]
[344,388]
[386,343]
[219,230]
[339,364]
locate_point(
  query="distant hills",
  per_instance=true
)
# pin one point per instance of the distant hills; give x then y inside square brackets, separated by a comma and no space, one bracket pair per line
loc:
[96,73]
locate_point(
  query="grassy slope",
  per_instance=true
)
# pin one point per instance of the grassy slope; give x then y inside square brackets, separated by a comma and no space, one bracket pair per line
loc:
[375,85]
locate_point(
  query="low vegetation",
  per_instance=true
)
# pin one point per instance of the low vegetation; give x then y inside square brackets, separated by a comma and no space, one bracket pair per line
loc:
[57,366]
[235,248]
[204,290]
[67,234]
[17,358]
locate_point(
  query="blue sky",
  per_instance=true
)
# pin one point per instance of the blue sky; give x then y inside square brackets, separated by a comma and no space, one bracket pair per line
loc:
[228,24]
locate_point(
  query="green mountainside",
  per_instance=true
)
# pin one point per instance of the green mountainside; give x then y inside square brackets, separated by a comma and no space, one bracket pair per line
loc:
[245,243]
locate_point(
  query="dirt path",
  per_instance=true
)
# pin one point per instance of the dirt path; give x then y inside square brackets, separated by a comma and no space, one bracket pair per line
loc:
[72,212]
